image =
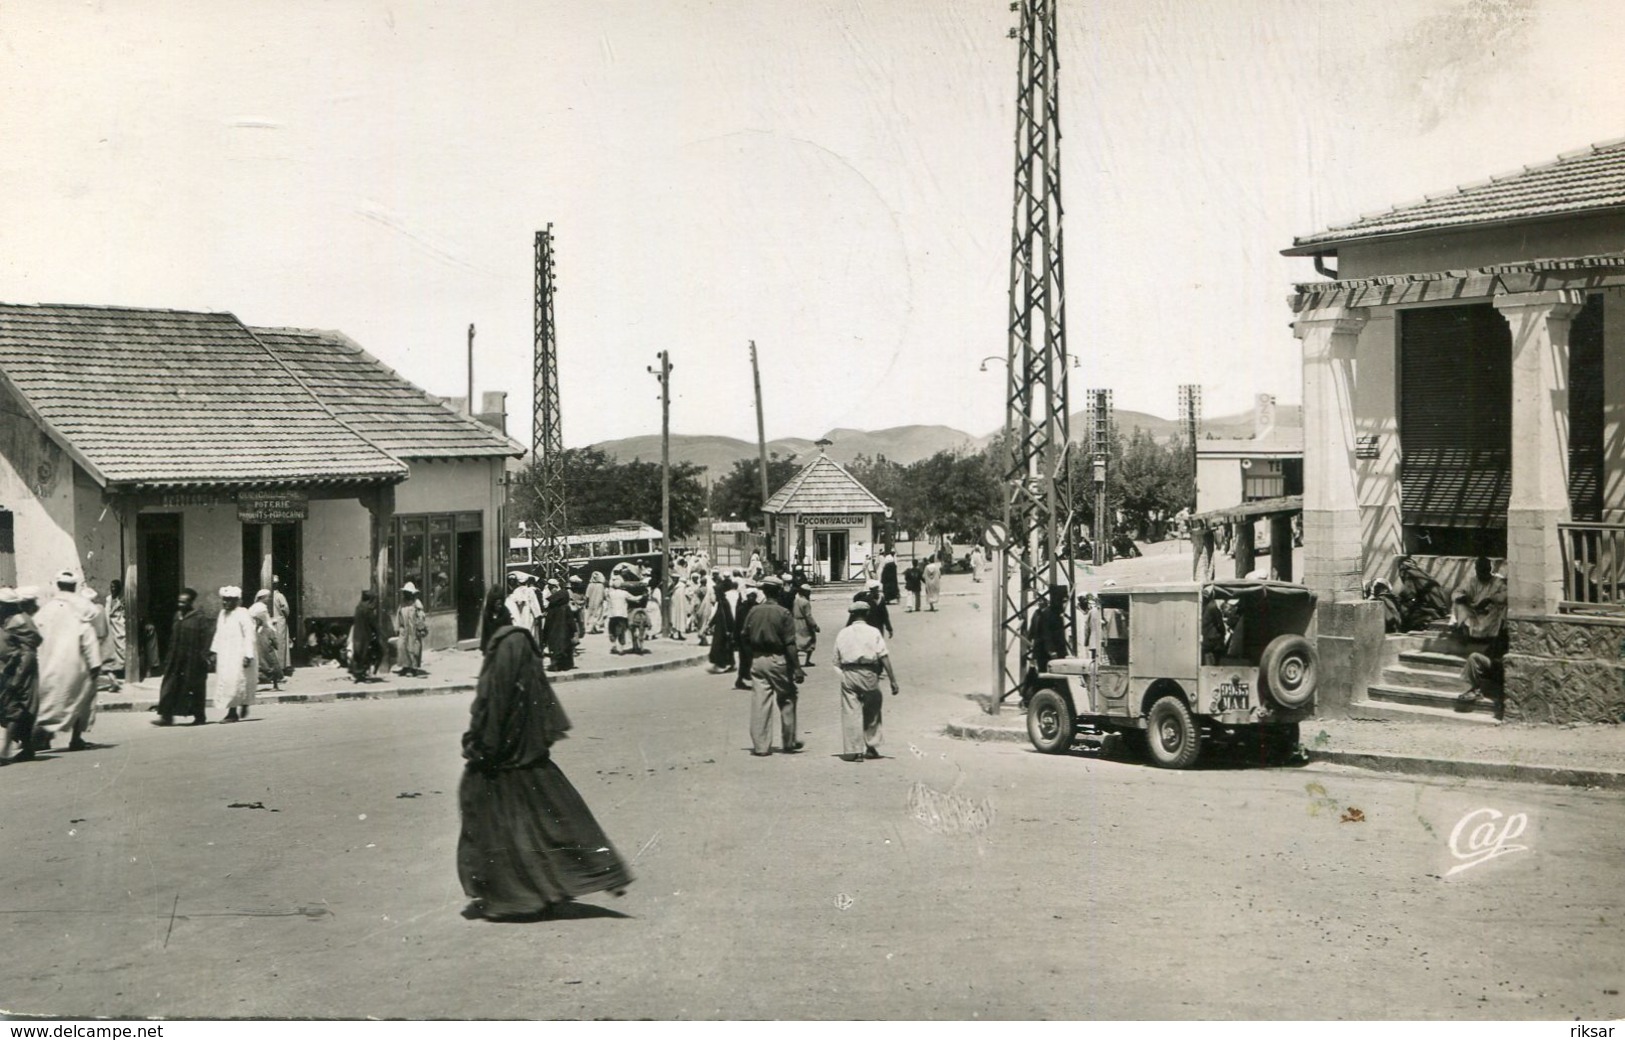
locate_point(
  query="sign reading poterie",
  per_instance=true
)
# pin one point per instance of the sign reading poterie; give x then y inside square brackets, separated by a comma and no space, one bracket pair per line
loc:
[272,507]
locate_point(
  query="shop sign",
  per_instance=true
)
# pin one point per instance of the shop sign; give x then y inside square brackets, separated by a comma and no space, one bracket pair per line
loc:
[182,499]
[276,507]
[834,519]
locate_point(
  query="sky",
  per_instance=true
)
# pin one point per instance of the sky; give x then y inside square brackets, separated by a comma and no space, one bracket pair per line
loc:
[832,180]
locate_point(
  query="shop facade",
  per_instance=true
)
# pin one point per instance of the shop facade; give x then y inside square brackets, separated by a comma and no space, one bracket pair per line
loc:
[825,521]
[169,449]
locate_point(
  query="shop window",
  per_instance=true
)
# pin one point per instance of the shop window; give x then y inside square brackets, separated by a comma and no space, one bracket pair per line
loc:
[426,554]
[1262,478]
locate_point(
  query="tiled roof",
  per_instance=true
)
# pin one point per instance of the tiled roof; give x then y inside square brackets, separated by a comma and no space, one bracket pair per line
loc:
[174,398]
[377,402]
[1590,179]
[823,486]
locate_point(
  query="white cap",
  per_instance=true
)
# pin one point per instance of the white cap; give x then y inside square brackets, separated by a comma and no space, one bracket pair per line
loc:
[27,592]
[230,592]
[67,578]
[409,587]
[8,594]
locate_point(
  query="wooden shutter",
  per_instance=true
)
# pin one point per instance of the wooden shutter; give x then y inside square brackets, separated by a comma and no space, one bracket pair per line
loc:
[1455,416]
[1585,412]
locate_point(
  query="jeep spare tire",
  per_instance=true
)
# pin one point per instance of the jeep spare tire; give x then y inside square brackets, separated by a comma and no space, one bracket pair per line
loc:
[1287,671]
[1049,722]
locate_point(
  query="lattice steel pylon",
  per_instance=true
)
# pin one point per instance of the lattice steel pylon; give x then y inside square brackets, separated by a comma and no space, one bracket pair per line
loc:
[549,525]
[1038,508]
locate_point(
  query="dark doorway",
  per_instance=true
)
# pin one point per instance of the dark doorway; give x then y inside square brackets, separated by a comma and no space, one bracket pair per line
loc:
[285,558]
[470,583]
[159,584]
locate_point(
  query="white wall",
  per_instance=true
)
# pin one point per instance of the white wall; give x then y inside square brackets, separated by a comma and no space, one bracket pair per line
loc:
[36,486]
[336,543]
[1218,483]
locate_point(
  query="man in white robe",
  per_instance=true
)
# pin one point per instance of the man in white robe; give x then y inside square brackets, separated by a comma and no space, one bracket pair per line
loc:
[235,668]
[70,658]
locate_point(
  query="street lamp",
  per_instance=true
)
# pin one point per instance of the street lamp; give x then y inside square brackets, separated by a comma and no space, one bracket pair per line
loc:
[1100,509]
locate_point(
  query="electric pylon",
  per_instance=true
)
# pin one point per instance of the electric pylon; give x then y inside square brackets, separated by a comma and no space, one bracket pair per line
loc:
[1038,484]
[549,525]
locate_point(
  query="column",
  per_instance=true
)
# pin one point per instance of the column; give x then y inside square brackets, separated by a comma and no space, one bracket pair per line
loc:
[1333,552]
[1540,445]
[1281,547]
[1241,539]
[129,551]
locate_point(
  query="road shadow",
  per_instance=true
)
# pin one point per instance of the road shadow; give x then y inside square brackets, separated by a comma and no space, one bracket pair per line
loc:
[559,912]
[1216,757]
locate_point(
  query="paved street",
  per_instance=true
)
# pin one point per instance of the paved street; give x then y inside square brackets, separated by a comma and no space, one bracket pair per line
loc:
[302,865]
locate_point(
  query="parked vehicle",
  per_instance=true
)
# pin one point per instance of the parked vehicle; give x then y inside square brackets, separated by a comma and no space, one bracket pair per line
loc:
[1153,683]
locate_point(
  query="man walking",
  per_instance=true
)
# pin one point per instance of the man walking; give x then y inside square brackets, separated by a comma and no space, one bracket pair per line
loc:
[235,670]
[770,633]
[186,668]
[860,653]
[70,658]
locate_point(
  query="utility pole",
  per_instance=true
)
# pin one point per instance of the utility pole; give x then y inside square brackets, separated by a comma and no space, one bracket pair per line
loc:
[761,435]
[547,434]
[664,375]
[1037,482]
[471,369]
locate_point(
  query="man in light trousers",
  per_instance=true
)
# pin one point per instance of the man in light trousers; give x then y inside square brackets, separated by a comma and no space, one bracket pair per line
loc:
[860,653]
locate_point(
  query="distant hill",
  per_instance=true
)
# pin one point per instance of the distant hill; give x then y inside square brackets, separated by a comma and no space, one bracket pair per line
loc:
[901,444]
[906,444]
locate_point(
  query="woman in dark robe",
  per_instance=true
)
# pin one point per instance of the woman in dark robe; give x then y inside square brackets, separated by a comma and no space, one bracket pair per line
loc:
[494,615]
[185,687]
[366,648]
[528,841]
[888,579]
[19,678]
[722,631]
[558,630]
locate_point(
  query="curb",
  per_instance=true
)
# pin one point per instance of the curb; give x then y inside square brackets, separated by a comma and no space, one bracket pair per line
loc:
[1382,762]
[396,692]
[1474,769]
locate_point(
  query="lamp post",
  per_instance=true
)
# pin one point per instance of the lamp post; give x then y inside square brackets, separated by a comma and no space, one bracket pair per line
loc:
[1100,510]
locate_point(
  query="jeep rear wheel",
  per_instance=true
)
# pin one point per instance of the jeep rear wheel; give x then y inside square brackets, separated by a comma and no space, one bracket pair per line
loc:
[1049,722]
[1287,671]
[1171,733]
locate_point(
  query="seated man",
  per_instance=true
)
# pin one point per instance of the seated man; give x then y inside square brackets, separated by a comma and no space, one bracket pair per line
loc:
[1480,605]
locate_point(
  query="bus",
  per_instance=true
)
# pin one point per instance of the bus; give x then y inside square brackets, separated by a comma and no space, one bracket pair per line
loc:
[597,548]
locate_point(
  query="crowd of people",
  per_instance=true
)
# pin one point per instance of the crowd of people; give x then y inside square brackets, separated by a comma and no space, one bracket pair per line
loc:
[59,651]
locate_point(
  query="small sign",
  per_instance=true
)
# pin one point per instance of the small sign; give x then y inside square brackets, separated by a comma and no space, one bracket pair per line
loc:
[996,535]
[1365,446]
[278,507]
[835,519]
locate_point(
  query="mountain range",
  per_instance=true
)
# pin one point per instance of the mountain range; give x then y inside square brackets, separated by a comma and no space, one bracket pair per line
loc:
[904,444]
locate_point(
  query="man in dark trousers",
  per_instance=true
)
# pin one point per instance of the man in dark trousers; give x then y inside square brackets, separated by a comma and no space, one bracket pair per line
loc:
[770,633]
[1046,639]
[186,667]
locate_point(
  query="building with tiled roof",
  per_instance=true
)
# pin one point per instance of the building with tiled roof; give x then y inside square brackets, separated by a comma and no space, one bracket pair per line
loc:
[1464,396]
[1578,184]
[375,401]
[165,449]
[825,518]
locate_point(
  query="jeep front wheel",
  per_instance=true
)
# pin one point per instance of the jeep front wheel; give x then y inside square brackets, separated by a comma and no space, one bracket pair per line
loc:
[1049,722]
[1171,734]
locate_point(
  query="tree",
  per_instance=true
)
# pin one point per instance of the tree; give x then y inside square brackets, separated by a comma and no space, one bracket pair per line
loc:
[953,495]
[599,489]
[739,494]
